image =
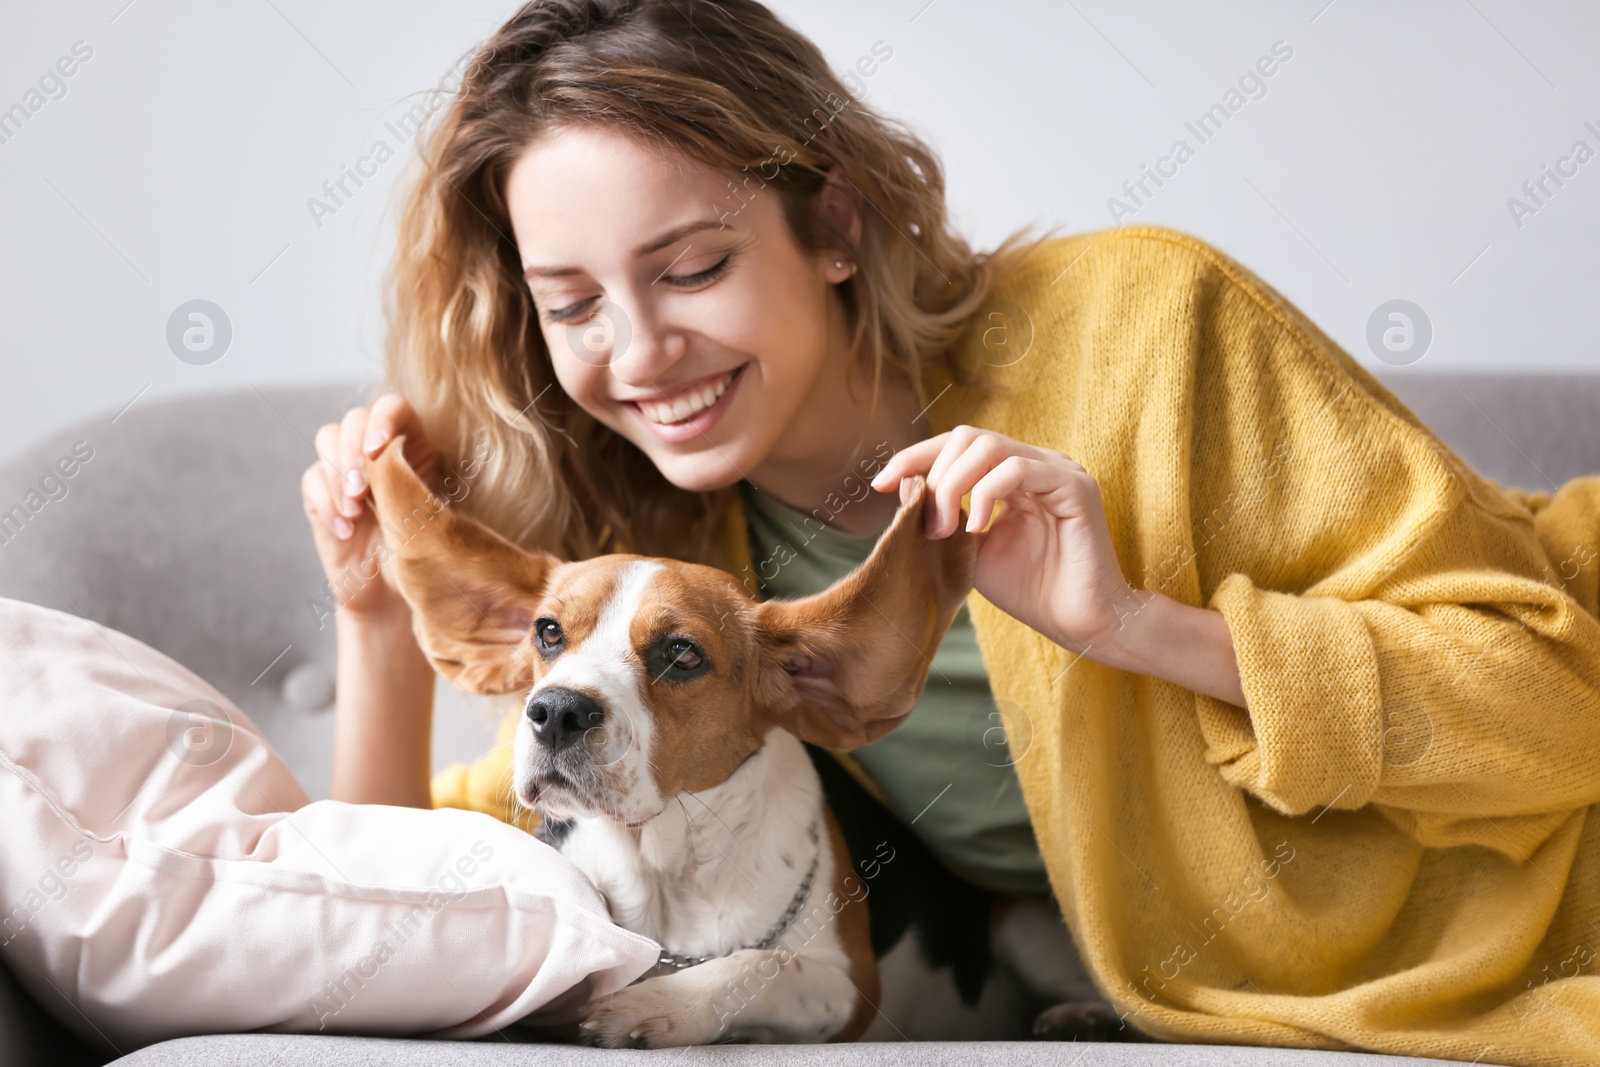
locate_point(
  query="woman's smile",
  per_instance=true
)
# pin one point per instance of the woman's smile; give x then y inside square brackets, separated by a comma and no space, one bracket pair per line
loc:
[691,412]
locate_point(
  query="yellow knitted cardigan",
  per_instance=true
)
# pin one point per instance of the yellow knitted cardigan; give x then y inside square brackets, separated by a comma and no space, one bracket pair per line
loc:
[1390,848]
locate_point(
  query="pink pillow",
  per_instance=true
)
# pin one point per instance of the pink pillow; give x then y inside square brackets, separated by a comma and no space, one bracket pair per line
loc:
[163,872]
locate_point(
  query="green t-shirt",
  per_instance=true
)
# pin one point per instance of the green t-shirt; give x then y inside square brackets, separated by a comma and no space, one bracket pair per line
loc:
[947,767]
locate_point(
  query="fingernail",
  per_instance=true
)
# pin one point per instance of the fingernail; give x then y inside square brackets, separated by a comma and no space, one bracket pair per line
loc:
[375,439]
[354,482]
[342,529]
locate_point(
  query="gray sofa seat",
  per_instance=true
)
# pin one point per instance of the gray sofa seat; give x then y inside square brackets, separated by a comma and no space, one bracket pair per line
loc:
[245,1050]
[185,530]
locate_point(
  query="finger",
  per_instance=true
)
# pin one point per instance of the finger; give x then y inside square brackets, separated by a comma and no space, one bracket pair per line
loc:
[352,465]
[1015,448]
[1020,479]
[391,415]
[319,503]
[913,459]
[982,454]
[1008,477]
[327,446]
[961,439]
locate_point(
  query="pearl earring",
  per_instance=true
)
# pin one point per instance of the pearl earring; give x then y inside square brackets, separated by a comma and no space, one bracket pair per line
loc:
[840,263]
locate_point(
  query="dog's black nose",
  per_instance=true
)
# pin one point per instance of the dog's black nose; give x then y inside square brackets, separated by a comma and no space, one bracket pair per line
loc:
[561,716]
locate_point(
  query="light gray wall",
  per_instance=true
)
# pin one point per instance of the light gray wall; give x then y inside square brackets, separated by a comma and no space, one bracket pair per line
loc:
[1377,164]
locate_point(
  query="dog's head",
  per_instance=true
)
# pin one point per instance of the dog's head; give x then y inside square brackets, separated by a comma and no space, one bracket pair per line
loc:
[647,678]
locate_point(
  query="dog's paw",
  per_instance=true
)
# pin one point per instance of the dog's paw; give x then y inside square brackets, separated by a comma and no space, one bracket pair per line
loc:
[1083,1021]
[646,1015]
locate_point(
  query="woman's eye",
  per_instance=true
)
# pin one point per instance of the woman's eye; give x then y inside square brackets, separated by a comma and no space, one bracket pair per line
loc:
[568,312]
[706,275]
[685,656]
[712,273]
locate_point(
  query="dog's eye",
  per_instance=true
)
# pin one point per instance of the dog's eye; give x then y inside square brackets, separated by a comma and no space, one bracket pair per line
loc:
[684,656]
[549,632]
[674,658]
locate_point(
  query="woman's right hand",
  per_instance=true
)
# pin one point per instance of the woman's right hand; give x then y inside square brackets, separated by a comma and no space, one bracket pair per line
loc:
[338,502]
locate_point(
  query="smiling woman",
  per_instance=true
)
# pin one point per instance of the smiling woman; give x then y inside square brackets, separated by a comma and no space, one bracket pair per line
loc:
[692,345]
[646,372]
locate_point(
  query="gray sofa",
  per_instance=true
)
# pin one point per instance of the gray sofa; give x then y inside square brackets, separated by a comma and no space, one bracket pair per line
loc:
[185,530]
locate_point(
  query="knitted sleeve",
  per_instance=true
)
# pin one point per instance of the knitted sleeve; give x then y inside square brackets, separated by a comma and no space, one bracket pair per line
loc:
[1410,636]
[1467,719]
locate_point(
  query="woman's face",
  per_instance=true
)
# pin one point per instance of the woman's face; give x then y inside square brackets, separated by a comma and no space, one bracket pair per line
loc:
[683,316]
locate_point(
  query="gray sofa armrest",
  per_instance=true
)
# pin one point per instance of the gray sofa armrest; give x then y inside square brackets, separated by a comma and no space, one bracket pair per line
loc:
[183,528]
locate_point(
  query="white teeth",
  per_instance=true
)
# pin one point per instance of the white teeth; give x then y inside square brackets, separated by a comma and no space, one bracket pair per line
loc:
[686,406]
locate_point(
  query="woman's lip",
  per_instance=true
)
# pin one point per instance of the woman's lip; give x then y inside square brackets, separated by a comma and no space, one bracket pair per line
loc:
[701,422]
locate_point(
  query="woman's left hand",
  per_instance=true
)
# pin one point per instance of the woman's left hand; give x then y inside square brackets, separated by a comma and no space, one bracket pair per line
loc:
[1047,559]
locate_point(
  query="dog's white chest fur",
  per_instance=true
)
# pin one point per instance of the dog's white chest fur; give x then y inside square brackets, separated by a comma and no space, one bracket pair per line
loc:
[710,876]
[715,869]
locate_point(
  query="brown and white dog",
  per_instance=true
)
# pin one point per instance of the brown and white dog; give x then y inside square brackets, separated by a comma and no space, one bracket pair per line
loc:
[662,744]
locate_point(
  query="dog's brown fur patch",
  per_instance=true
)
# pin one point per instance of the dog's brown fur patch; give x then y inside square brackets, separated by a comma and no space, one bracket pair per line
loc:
[704,727]
[855,934]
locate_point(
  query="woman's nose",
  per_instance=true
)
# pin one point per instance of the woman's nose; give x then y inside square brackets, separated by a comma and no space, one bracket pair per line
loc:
[643,346]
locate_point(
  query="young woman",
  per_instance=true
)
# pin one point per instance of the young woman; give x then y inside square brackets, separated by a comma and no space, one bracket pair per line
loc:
[1297,715]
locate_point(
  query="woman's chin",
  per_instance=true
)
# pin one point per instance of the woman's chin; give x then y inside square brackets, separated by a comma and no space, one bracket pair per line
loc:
[704,476]
[704,469]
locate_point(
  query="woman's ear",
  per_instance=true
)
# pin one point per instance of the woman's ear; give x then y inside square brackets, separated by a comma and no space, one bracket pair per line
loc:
[840,204]
[846,666]
[472,592]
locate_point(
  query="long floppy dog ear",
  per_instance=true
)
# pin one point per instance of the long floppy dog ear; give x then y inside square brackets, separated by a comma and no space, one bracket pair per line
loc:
[472,592]
[845,666]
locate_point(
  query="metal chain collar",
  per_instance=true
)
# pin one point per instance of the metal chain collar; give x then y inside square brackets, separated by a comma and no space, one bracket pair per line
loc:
[679,962]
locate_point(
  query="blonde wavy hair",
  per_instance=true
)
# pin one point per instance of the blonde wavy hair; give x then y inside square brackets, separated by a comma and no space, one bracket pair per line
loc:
[728,84]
